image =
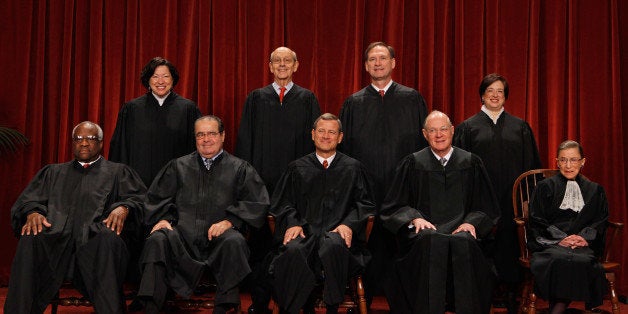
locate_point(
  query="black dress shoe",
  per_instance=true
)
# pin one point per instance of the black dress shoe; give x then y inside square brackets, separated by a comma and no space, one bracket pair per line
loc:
[258,309]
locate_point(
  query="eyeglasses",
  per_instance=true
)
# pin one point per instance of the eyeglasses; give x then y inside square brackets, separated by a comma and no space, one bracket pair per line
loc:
[323,132]
[202,135]
[442,129]
[564,161]
[89,138]
[284,60]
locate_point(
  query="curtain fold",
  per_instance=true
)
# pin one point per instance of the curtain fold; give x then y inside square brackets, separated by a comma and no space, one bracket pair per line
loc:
[69,61]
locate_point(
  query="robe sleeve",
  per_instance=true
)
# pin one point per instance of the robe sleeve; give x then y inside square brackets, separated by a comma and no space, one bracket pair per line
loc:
[252,199]
[283,205]
[160,198]
[117,146]
[131,193]
[531,157]
[244,142]
[396,211]
[363,203]
[34,198]
[484,211]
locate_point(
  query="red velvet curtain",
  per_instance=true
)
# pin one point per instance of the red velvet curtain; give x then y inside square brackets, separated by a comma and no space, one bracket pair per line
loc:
[68,61]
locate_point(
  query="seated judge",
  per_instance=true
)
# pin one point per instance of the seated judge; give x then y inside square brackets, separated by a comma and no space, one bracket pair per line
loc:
[440,205]
[568,216]
[321,205]
[199,206]
[69,220]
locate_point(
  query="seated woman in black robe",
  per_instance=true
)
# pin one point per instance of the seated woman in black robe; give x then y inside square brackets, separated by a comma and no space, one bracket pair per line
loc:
[568,215]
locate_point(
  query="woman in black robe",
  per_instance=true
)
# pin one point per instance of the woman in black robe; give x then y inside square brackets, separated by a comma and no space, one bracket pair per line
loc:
[568,216]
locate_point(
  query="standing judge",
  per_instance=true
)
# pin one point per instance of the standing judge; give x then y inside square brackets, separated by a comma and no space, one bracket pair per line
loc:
[157,126]
[568,217]
[276,121]
[440,205]
[382,124]
[199,206]
[70,220]
[274,130]
[507,147]
[321,205]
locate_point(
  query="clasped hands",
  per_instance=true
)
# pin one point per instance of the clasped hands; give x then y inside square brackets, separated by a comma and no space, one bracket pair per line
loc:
[35,222]
[297,231]
[420,224]
[573,241]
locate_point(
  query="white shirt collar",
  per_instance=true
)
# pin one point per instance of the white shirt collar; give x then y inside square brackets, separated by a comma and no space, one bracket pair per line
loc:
[89,163]
[161,100]
[278,90]
[447,156]
[329,159]
[385,87]
[492,114]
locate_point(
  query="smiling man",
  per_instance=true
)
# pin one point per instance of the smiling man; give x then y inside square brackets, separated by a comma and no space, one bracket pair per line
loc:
[440,206]
[74,213]
[199,206]
[274,130]
[382,124]
[321,205]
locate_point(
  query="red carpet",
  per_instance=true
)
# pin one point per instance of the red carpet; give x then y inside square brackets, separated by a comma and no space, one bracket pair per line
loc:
[379,306]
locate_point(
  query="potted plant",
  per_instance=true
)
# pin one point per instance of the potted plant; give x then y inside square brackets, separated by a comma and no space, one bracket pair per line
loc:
[10,139]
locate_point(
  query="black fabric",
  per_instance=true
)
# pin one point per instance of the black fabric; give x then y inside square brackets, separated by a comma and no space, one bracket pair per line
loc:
[379,132]
[75,200]
[319,200]
[194,198]
[448,196]
[507,149]
[148,135]
[273,134]
[554,266]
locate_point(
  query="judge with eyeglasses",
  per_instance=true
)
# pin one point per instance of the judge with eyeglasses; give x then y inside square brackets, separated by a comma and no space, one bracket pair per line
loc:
[568,218]
[71,221]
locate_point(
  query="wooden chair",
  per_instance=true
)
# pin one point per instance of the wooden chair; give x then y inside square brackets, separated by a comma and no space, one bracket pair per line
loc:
[522,191]
[355,296]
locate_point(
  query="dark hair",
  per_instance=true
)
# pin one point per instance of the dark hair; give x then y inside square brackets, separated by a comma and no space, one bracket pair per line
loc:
[490,79]
[328,117]
[372,45]
[210,117]
[149,70]
[570,144]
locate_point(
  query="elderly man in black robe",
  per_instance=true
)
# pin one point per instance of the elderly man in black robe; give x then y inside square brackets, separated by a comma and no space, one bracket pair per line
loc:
[274,130]
[382,124]
[321,205]
[70,219]
[200,205]
[441,205]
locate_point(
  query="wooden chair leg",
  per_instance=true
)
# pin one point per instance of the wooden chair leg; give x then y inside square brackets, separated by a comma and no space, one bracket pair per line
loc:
[532,304]
[611,289]
[274,306]
[361,297]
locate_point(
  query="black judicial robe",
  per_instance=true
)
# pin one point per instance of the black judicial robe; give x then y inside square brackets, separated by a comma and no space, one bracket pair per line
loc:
[75,201]
[565,273]
[379,132]
[319,200]
[194,198]
[273,134]
[148,135]
[448,196]
[507,150]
